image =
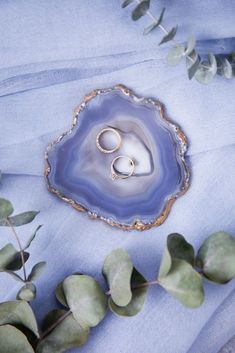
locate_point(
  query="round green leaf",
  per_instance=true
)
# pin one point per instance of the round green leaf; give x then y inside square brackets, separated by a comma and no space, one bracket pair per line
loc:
[117,270]
[59,292]
[20,219]
[190,45]
[227,69]
[16,263]
[18,313]
[192,63]
[166,263]
[13,340]
[85,299]
[67,334]
[51,318]
[126,3]
[206,70]
[213,63]
[184,284]
[37,271]
[10,259]
[140,10]
[177,248]
[6,208]
[216,257]
[203,74]
[170,35]
[7,254]
[27,292]
[175,54]
[138,297]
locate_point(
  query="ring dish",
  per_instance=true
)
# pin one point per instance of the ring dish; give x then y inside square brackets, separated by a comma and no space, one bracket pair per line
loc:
[79,174]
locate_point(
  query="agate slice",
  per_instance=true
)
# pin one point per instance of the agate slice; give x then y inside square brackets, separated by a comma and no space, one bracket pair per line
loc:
[79,173]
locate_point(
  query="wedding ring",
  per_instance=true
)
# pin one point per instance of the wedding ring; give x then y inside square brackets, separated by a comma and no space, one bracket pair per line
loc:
[101,147]
[115,174]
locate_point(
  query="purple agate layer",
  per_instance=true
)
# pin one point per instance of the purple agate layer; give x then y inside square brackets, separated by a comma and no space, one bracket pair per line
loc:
[79,172]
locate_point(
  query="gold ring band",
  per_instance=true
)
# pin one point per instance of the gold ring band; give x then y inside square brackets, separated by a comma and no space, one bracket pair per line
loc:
[118,175]
[102,148]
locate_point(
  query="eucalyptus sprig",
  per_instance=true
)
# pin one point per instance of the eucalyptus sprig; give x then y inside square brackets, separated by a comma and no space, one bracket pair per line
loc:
[84,303]
[204,69]
[12,260]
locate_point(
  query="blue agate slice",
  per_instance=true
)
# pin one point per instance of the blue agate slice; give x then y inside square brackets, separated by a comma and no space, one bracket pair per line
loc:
[79,173]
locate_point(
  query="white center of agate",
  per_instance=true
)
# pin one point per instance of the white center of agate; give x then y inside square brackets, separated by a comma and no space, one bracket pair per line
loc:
[136,143]
[133,148]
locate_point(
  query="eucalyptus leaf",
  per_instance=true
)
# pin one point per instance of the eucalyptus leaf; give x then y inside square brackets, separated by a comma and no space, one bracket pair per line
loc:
[227,69]
[206,70]
[190,45]
[13,340]
[177,248]
[67,334]
[10,259]
[37,271]
[138,297]
[7,253]
[85,299]
[32,237]
[192,63]
[169,36]
[27,292]
[140,10]
[184,284]
[6,208]
[126,3]
[219,61]
[16,263]
[18,312]
[155,24]
[59,292]
[203,74]
[51,318]
[117,270]
[213,63]
[216,257]
[20,219]
[166,263]
[60,296]
[175,54]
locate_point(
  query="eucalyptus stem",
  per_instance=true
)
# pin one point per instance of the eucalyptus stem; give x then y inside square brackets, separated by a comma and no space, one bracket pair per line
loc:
[165,31]
[149,13]
[55,324]
[15,275]
[140,285]
[178,275]
[20,248]
[145,284]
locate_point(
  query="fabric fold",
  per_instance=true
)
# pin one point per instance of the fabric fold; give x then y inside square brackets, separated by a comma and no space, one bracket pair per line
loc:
[52,54]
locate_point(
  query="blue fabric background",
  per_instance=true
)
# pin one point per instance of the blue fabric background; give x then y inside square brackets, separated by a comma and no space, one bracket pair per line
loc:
[51,54]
